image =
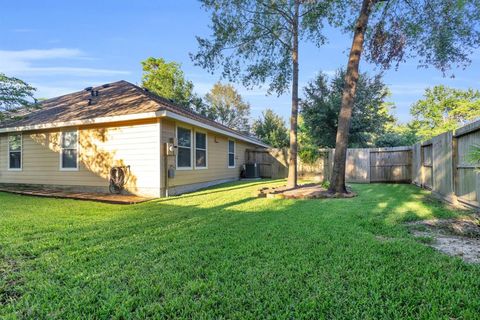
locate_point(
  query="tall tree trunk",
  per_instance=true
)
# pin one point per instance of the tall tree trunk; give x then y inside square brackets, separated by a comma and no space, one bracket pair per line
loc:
[292,162]
[337,183]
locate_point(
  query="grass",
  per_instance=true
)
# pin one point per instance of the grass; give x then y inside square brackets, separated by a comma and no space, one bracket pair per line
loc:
[220,253]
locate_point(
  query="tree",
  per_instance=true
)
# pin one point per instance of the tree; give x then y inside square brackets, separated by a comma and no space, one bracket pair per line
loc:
[167,80]
[15,94]
[226,106]
[256,41]
[397,135]
[321,106]
[444,109]
[441,33]
[271,129]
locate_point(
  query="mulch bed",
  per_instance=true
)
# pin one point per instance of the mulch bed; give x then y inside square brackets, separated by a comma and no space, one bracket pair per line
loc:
[306,191]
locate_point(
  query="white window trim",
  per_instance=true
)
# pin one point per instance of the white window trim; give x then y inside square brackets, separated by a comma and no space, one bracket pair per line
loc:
[21,152]
[206,150]
[178,148]
[61,150]
[234,154]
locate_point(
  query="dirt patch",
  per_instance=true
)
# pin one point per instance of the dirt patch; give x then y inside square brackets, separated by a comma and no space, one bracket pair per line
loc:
[306,191]
[8,281]
[455,237]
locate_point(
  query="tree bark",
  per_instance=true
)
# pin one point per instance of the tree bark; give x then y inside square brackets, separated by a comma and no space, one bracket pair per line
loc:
[337,183]
[292,162]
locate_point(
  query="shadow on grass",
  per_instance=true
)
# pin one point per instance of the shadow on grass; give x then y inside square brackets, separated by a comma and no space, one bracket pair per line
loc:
[212,254]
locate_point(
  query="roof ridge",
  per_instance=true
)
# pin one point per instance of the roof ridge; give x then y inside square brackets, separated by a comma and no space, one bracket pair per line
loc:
[172,104]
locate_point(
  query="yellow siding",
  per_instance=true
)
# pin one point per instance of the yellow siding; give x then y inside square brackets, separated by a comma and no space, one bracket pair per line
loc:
[135,144]
[217,150]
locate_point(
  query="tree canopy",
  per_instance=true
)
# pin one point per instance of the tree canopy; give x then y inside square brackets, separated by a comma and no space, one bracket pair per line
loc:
[444,109]
[167,80]
[226,106]
[271,129]
[439,33]
[14,95]
[396,135]
[257,42]
[321,106]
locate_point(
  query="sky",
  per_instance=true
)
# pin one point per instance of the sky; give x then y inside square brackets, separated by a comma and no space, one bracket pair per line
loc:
[64,46]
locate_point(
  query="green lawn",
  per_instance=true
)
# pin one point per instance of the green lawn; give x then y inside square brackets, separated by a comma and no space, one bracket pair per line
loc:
[221,253]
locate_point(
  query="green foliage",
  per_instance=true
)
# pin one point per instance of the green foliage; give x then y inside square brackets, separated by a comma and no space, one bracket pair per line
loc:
[252,40]
[271,129]
[15,94]
[226,106]
[444,109]
[321,106]
[440,33]
[474,155]
[221,253]
[398,135]
[167,80]
[309,154]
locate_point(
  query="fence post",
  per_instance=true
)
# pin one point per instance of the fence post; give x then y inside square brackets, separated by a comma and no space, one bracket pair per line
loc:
[454,167]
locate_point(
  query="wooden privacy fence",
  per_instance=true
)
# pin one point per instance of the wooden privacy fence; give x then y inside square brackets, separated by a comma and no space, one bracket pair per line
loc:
[363,165]
[440,164]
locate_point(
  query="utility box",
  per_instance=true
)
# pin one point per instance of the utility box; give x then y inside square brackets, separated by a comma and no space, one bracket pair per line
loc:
[252,171]
[171,172]
[170,149]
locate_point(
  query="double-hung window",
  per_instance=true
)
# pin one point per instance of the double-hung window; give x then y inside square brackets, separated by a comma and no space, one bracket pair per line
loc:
[69,151]
[184,154]
[200,150]
[15,152]
[231,154]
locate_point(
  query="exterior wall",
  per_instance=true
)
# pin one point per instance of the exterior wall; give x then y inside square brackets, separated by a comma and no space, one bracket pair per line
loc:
[217,161]
[100,147]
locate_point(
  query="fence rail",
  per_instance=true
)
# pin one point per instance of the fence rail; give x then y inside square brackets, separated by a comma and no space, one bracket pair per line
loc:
[440,164]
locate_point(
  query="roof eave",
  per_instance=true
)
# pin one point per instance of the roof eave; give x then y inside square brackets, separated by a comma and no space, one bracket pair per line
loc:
[179,117]
[131,117]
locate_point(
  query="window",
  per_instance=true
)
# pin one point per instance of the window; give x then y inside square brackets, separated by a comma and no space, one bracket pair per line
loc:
[69,153]
[184,154]
[200,150]
[15,152]
[231,154]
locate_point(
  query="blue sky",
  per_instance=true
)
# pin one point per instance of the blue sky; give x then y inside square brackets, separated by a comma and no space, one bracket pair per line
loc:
[64,46]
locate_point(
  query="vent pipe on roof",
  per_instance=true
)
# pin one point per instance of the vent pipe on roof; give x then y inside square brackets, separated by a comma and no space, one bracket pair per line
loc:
[89,102]
[88,88]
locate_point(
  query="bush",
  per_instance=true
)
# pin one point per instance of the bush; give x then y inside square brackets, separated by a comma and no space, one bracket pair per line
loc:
[309,155]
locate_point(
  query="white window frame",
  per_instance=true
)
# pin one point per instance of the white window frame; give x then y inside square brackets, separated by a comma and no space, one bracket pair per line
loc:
[234,154]
[178,147]
[206,150]
[61,150]
[21,152]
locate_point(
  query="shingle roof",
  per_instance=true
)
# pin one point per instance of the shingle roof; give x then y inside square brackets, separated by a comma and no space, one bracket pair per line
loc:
[114,99]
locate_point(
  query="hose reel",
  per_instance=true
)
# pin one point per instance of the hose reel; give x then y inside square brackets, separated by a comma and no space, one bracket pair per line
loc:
[118,178]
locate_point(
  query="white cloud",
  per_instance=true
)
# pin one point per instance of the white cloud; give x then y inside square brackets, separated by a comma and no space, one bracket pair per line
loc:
[52,91]
[22,63]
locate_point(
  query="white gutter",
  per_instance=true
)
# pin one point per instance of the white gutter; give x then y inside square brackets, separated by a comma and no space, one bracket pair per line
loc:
[130,117]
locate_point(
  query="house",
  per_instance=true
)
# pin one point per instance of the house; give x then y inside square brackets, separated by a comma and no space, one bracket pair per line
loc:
[73,141]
